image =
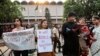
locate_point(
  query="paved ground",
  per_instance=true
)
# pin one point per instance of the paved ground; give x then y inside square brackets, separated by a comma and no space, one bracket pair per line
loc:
[4,48]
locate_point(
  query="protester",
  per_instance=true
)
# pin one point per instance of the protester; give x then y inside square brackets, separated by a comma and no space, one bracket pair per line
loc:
[95,47]
[56,38]
[44,25]
[84,37]
[60,37]
[70,34]
[28,26]
[18,27]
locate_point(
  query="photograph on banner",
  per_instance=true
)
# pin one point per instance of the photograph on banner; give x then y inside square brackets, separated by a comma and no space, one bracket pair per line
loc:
[44,41]
[20,40]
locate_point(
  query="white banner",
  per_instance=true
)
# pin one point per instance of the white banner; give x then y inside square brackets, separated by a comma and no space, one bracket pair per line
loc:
[44,41]
[20,40]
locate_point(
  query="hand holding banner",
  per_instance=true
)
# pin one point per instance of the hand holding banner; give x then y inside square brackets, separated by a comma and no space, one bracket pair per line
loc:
[20,40]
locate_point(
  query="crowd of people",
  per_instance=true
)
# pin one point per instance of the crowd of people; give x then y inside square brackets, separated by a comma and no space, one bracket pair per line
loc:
[79,38]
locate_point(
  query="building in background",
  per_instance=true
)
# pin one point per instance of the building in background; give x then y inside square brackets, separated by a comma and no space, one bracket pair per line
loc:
[34,12]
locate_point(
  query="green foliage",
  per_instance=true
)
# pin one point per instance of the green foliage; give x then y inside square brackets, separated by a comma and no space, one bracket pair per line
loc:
[9,10]
[48,17]
[85,8]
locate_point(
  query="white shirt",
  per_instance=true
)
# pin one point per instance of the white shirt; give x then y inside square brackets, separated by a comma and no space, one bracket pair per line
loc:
[55,31]
[96,45]
[96,32]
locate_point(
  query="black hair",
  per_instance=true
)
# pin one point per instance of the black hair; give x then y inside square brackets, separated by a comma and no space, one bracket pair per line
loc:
[55,25]
[40,26]
[18,19]
[96,17]
[72,14]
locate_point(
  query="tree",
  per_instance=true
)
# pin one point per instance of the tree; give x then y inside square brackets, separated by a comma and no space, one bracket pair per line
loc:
[47,16]
[85,8]
[8,11]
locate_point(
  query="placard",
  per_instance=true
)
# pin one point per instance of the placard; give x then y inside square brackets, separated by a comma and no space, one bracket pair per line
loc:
[44,41]
[20,40]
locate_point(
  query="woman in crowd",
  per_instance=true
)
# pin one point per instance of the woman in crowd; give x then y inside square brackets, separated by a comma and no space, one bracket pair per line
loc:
[18,27]
[95,47]
[44,25]
[84,36]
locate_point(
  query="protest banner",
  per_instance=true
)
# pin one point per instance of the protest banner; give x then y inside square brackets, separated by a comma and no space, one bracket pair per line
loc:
[44,41]
[20,40]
